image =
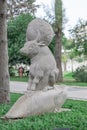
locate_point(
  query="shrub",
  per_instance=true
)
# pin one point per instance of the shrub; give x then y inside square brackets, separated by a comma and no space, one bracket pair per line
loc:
[81,74]
[13,71]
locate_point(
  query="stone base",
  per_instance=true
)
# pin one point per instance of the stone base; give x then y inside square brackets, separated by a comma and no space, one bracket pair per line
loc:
[37,103]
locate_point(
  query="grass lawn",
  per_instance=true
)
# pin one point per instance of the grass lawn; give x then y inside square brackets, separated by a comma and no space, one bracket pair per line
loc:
[76,119]
[73,83]
[22,79]
[68,76]
[69,80]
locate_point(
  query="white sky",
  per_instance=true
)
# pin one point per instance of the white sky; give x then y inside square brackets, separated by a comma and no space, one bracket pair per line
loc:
[74,9]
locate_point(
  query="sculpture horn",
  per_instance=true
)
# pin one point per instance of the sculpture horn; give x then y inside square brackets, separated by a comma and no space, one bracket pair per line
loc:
[38,40]
[38,36]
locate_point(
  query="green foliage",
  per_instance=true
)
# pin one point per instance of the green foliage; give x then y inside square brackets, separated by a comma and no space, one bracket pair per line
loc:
[79,59]
[72,54]
[11,71]
[16,31]
[64,57]
[81,74]
[52,46]
[79,36]
[67,43]
[76,119]
[68,79]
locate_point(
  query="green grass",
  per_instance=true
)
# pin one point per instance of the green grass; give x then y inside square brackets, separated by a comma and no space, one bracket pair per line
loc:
[68,76]
[22,79]
[68,80]
[76,119]
[73,83]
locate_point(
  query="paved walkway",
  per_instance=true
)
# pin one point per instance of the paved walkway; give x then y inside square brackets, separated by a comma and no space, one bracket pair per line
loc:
[74,92]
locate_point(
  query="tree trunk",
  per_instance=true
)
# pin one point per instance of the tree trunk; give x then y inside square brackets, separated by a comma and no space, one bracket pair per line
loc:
[4,74]
[58,30]
[58,54]
[72,64]
[64,66]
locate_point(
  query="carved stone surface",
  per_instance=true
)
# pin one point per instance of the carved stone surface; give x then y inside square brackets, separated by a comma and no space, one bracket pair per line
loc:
[43,70]
[38,103]
[41,95]
[42,29]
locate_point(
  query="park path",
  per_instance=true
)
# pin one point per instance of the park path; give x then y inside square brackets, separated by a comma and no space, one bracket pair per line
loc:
[79,93]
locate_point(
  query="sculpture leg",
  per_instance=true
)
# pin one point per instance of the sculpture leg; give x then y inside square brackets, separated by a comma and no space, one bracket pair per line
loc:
[29,84]
[34,83]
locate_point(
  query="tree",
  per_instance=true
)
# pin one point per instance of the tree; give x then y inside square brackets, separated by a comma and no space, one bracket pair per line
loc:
[56,17]
[72,56]
[67,44]
[79,36]
[16,38]
[17,7]
[4,75]
[64,60]
[58,37]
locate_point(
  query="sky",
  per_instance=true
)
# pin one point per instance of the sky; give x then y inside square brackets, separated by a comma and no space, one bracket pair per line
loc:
[74,10]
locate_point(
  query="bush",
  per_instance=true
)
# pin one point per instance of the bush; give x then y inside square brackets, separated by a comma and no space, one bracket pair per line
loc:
[81,74]
[12,71]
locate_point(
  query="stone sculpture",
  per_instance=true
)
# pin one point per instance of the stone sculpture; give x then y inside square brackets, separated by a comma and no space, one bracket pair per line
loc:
[41,95]
[42,29]
[40,102]
[43,70]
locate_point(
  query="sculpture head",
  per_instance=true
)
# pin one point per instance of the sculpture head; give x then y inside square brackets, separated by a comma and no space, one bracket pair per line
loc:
[39,33]
[31,48]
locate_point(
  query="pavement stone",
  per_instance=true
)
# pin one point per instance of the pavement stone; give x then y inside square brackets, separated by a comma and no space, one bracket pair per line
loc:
[73,92]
